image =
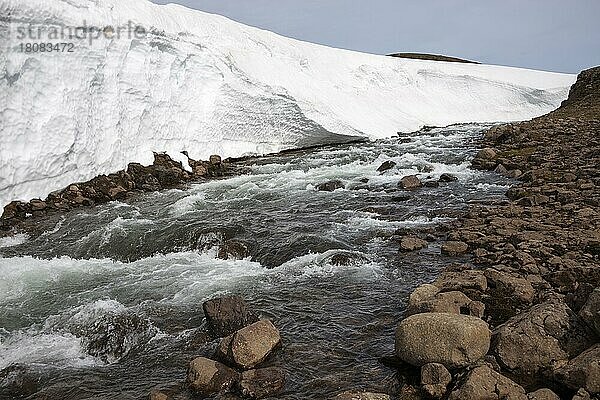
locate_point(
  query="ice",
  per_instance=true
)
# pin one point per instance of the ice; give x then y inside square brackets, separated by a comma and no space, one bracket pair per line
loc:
[208,85]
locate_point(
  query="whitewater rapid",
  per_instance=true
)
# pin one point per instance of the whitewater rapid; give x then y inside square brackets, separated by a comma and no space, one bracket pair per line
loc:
[208,85]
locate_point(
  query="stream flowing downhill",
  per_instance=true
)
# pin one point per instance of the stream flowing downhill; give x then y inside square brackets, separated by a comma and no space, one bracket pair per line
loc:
[107,302]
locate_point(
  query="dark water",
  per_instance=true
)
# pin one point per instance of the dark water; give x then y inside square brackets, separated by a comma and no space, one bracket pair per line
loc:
[107,303]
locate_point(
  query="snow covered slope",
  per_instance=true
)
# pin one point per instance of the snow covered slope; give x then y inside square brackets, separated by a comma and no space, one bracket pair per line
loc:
[206,84]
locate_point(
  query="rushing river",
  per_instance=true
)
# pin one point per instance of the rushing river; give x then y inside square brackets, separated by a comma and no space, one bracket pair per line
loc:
[107,302]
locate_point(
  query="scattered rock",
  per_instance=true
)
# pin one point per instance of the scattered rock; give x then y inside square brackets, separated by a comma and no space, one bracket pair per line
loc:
[206,376]
[330,186]
[251,345]
[411,243]
[447,302]
[485,383]
[454,248]
[469,281]
[215,159]
[549,334]
[448,178]
[455,341]
[543,394]
[410,182]
[590,312]
[582,394]
[435,379]
[226,315]
[422,293]
[261,383]
[583,371]
[509,286]
[387,165]
[157,395]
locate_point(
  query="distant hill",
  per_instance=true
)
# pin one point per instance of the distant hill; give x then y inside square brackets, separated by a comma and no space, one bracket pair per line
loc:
[431,57]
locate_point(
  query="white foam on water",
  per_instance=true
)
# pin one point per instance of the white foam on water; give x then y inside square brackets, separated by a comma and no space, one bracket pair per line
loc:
[55,350]
[15,240]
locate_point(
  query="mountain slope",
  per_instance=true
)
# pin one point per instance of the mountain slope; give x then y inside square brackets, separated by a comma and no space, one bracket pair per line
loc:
[206,84]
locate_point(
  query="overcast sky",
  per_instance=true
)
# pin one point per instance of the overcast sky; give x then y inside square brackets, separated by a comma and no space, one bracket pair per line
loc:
[555,35]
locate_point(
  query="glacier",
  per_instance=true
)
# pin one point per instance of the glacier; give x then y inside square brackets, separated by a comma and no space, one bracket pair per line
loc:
[208,85]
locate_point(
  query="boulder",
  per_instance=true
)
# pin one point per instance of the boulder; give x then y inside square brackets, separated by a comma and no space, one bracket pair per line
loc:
[471,282]
[484,383]
[233,250]
[509,286]
[206,376]
[543,394]
[330,186]
[447,302]
[590,312]
[226,315]
[410,182]
[387,165]
[215,159]
[411,243]
[549,334]
[583,371]
[157,395]
[455,341]
[435,379]
[448,178]
[250,346]
[486,154]
[582,394]
[422,293]
[260,383]
[454,248]
[352,395]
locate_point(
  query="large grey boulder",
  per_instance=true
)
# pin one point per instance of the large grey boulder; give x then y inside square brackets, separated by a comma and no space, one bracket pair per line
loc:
[206,376]
[548,334]
[483,383]
[250,346]
[455,341]
[583,371]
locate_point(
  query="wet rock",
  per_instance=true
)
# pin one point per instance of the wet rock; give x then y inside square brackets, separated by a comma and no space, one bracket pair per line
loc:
[582,372]
[549,334]
[387,165]
[115,193]
[330,186]
[485,159]
[233,250]
[543,394]
[410,182]
[448,178]
[206,376]
[431,184]
[455,341]
[447,302]
[215,159]
[260,383]
[411,243]
[485,383]
[226,315]
[38,205]
[353,395]
[454,248]
[435,379]
[250,346]
[590,312]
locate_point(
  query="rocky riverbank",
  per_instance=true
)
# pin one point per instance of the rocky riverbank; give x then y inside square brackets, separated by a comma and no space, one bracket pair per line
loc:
[164,173]
[522,319]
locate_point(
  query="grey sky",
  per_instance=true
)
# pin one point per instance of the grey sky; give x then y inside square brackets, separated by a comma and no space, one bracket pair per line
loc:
[554,35]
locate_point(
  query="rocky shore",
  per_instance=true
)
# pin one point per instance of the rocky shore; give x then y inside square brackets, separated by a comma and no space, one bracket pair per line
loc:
[164,173]
[522,319]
